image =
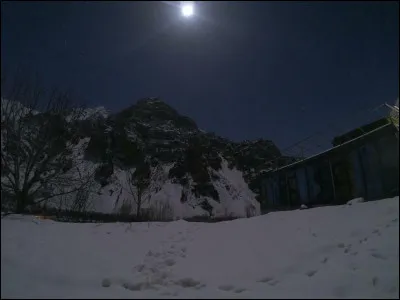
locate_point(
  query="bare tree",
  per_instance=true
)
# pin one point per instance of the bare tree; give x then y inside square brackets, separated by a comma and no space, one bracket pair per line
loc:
[37,131]
[139,183]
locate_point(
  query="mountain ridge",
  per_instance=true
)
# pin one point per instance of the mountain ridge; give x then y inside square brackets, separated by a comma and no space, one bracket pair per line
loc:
[192,172]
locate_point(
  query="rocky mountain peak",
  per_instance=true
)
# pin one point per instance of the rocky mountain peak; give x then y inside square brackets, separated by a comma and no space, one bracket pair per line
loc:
[155,113]
[204,170]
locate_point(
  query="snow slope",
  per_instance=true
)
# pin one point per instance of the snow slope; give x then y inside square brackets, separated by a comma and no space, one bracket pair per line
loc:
[167,140]
[233,191]
[332,252]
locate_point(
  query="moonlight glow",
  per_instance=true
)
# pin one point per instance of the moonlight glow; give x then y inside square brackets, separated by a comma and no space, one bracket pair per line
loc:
[187,8]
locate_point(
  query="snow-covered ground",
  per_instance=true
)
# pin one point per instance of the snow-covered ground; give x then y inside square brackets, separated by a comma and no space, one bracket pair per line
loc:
[344,251]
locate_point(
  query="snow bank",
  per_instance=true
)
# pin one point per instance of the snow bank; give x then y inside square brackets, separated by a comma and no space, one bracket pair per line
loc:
[327,252]
[355,201]
[303,206]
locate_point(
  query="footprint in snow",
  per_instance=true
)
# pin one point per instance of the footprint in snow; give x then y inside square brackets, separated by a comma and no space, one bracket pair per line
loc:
[324,260]
[376,231]
[378,255]
[135,286]
[139,268]
[226,287]
[188,282]
[270,280]
[273,282]
[106,282]
[200,286]
[341,245]
[266,279]
[311,273]
[347,249]
[170,262]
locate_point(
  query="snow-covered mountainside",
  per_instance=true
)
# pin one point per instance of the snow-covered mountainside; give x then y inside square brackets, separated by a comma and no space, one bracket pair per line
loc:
[347,251]
[190,172]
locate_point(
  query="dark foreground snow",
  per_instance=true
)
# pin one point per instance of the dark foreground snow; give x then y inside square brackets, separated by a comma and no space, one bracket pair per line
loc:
[333,252]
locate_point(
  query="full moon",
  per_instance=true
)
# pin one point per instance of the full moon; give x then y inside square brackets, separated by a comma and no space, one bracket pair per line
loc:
[187,8]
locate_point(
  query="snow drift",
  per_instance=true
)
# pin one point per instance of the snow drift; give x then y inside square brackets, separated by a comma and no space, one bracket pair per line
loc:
[328,252]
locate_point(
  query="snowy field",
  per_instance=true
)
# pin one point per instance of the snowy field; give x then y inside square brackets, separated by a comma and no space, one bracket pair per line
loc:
[347,251]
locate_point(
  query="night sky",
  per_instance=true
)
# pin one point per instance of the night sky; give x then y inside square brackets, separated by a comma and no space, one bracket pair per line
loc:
[244,70]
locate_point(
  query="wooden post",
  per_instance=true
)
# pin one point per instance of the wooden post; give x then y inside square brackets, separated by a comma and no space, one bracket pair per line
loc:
[287,190]
[333,180]
[308,184]
[364,180]
[275,198]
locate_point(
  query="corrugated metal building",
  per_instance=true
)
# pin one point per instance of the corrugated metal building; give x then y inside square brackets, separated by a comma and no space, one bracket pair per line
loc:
[365,166]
